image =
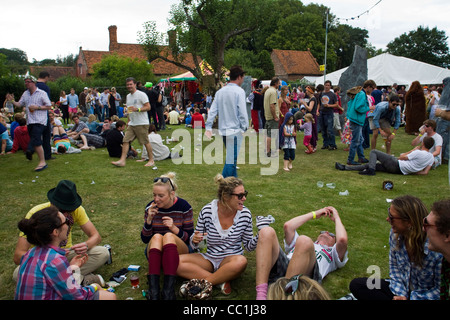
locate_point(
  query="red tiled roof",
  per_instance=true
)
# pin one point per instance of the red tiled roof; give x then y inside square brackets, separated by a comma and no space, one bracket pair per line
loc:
[160,67]
[297,62]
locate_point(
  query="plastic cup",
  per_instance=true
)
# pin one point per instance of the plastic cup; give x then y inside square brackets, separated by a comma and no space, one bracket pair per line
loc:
[320,184]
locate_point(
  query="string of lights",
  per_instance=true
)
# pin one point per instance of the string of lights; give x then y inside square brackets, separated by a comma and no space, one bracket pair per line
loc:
[361,14]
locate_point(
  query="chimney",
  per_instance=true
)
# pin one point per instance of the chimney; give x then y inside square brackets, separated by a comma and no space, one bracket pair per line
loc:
[112,37]
[172,37]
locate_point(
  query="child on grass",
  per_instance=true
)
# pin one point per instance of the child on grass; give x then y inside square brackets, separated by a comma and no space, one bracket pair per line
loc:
[288,142]
[307,127]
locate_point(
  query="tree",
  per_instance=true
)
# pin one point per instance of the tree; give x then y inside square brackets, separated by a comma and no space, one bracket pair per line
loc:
[117,68]
[424,45]
[203,29]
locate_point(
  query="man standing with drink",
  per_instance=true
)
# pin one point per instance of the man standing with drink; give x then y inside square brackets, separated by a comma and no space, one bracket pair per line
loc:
[37,105]
[137,106]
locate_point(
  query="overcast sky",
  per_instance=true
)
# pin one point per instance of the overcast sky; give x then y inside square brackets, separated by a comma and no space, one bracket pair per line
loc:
[52,28]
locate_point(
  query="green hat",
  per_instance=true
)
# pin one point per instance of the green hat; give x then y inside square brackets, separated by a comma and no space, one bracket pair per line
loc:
[65,196]
[148,85]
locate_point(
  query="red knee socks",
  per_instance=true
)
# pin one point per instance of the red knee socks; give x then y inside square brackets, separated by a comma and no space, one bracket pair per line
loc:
[168,259]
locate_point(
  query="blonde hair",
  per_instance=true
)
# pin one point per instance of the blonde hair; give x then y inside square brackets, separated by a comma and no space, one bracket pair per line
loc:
[91,117]
[226,187]
[308,289]
[171,176]
[115,118]
[310,117]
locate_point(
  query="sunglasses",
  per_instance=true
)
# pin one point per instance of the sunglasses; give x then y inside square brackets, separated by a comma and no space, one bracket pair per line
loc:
[426,224]
[240,196]
[331,234]
[164,180]
[292,285]
[392,218]
[65,222]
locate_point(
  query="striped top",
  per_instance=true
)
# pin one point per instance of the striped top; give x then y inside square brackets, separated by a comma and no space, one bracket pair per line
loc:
[45,274]
[222,243]
[183,217]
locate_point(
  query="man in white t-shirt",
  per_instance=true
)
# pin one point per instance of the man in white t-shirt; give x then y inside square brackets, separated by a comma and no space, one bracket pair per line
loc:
[429,130]
[416,161]
[137,107]
[302,255]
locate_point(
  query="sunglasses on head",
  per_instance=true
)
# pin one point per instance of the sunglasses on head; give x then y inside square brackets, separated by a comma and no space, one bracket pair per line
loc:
[164,180]
[240,196]
[292,285]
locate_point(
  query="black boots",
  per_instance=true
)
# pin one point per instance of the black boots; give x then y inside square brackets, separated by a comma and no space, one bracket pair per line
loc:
[168,292]
[153,287]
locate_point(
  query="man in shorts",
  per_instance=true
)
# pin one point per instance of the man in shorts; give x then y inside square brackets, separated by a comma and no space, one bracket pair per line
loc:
[385,115]
[37,105]
[302,255]
[137,106]
[271,113]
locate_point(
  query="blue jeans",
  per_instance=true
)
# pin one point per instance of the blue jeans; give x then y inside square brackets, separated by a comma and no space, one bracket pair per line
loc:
[105,112]
[443,128]
[326,126]
[356,146]
[232,145]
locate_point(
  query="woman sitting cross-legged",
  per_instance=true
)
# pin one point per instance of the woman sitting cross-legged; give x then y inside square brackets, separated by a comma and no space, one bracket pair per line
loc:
[227,223]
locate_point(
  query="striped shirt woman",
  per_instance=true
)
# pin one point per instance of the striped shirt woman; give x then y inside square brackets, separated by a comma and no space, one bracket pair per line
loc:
[222,243]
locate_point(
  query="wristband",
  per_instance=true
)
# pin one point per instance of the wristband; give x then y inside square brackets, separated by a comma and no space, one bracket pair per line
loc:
[139,109]
[94,287]
[393,133]
[420,135]
[314,215]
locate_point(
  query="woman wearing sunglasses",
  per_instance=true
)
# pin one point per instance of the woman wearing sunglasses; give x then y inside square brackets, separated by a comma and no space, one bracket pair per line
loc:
[168,225]
[44,272]
[414,270]
[228,225]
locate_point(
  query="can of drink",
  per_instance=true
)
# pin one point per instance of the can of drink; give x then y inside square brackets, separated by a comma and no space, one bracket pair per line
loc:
[107,246]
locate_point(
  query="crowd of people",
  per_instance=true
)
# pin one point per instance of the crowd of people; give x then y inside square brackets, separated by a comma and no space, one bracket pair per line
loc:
[419,239]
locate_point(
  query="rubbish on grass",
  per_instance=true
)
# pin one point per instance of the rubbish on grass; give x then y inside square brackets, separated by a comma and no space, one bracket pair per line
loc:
[320,184]
[345,193]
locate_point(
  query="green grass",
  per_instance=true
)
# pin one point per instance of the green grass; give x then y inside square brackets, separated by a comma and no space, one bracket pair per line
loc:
[114,199]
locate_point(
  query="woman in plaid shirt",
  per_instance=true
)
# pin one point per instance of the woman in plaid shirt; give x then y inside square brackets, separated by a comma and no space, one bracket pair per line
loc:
[45,272]
[414,270]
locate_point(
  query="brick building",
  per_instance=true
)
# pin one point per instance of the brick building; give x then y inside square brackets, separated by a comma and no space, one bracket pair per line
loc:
[87,58]
[291,65]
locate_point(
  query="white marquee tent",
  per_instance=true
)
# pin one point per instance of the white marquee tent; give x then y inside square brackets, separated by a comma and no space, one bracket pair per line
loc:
[387,69]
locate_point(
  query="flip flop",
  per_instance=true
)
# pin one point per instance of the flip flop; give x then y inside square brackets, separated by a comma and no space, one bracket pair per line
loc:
[41,168]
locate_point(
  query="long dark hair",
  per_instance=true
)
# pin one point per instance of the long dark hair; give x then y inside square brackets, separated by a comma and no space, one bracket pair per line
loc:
[412,209]
[39,227]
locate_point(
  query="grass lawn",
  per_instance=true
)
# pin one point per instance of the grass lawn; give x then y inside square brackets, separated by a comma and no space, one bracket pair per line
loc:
[115,198]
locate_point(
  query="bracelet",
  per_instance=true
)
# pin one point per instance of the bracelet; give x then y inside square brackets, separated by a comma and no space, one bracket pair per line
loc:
[314,215]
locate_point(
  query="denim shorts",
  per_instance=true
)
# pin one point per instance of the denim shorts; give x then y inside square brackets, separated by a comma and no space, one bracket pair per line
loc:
[35,131]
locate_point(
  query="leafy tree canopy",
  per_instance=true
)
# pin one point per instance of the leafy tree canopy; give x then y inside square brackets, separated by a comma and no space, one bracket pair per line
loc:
[424,44]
